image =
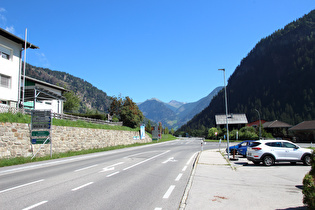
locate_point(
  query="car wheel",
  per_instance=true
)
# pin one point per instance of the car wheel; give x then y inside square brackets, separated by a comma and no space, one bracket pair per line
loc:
[307,160]
[268,160]
[256,163]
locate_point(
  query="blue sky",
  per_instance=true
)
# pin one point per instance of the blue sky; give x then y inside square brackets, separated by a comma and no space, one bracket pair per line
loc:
[167,49]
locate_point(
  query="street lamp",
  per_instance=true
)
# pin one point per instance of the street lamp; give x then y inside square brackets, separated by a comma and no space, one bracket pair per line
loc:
[259,123]
[226,113]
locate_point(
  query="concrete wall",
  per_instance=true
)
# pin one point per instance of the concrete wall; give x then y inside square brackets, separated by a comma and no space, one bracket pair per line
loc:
[15,139]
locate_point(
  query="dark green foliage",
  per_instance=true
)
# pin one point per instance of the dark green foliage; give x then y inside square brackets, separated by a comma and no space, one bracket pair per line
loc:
[276,77]
[126,111]
[309,186]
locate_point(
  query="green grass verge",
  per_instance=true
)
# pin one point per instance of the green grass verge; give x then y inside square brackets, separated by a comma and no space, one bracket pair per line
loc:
[24,118]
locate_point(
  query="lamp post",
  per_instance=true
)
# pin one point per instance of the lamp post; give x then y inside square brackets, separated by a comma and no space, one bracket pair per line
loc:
[259,123]
[226,113]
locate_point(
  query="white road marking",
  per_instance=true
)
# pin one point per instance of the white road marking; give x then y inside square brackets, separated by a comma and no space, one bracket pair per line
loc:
[111,167]
[145,160]
[87,184]
[184,169]
[23,185]
[169,191]
[35,205]
[157,208]
[81,169]
[178,177]
[190,159]
[170,160]
[109,175]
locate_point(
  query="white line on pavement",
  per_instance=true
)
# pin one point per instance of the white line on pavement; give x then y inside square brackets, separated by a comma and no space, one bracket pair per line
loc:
[35,205]
[169,191]
[157,208]
[23,185]
[146,160]
[184,169]
[190,159]
[178,177]
[87,184]
[81,169]
[111,167]
[109,175]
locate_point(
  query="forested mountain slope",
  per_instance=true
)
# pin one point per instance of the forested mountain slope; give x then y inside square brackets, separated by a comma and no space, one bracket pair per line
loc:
[92,97]
[276,78]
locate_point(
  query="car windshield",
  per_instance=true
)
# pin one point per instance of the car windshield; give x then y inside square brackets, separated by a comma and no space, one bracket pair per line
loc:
[254,144]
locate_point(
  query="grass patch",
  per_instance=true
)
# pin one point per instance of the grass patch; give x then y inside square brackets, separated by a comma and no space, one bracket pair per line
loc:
[24,118]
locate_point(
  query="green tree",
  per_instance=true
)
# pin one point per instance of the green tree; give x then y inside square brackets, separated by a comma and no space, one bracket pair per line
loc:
[72,103]
[130,114]
[211,133]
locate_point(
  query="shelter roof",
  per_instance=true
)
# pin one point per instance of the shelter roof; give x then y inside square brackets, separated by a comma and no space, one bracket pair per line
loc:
[232,119]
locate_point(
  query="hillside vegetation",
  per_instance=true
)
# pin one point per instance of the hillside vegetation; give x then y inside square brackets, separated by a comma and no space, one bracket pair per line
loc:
[276,78]
[91,97]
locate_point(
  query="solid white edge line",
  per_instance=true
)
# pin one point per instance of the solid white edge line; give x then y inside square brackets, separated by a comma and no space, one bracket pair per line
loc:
[145,160]
[109,175]
[190,159]
[169,191]
[35,205]
[23,185]
[81,169]
[157,208]
[87,184]
[184,169]
[178,177]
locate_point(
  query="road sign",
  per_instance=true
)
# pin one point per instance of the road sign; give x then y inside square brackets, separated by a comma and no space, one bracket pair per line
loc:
[40,141]
[40,133]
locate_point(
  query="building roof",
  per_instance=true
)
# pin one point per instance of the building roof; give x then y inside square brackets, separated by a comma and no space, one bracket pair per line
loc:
[256,123]
[276,124]
[232,119]
[16,39]
[42,90]
[306,125]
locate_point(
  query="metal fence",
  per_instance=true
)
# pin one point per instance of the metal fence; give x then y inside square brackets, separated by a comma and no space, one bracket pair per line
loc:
[6,108]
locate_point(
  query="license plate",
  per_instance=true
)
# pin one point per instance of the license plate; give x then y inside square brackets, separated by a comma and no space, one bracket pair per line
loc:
[249,154]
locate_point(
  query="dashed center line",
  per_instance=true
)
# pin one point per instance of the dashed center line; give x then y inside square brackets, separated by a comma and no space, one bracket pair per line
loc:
[112,174]
[81,169]
[178,177]
[169,191]
[23,185]
[87,184]
[35,205]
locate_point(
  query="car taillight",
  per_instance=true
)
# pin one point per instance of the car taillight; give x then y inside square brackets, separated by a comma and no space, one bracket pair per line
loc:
[256,148]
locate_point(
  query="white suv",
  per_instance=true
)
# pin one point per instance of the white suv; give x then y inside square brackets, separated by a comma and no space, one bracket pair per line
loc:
[271,151]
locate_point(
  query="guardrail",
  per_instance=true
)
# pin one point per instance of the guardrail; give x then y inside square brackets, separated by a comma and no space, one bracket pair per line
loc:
[6,108]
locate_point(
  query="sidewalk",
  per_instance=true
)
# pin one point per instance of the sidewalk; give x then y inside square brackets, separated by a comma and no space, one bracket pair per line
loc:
[215,184]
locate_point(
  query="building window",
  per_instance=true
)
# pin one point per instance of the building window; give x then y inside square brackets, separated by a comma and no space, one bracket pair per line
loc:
[5,81]
[5,52]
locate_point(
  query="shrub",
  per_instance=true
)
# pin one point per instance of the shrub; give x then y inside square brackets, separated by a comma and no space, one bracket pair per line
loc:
[309,186]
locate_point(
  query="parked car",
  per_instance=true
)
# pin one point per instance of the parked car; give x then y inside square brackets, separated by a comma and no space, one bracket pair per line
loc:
[270,151]
[240,148]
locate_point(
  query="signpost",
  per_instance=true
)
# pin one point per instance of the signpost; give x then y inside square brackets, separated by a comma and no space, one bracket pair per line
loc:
[41,128]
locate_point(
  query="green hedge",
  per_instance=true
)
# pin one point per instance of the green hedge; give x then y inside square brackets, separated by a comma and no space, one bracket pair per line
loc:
[309,186]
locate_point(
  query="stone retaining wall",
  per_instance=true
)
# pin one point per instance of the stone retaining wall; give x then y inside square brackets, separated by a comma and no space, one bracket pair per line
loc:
[15,139]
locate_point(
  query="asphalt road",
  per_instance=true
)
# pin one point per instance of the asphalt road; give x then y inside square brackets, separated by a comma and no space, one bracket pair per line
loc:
[146,177]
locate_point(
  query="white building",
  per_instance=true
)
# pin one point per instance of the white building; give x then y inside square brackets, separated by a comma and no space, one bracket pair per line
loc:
[11,48]
[37,94]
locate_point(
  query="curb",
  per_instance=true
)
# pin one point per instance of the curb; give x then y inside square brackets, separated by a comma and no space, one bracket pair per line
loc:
[182,204]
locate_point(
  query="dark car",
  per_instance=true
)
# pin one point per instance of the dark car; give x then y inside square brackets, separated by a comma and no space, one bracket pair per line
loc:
[241,148]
